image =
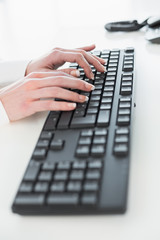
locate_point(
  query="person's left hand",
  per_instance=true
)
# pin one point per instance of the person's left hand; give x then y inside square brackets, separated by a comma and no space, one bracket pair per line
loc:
[58,56]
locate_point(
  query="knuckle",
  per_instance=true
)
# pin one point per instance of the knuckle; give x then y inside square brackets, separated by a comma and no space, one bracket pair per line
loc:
[62,73]
[33,74]
[80,56]
[29,84]
[82,51]
[49,104]
[56,48]
[75,96]
[56,52]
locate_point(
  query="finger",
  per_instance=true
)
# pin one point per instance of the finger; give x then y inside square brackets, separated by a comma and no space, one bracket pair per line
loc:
[79,58]
[101,60]
[88,48]
[71,71]
[94,60]
[57,92]
[60,81]
[51,73]
[51,105]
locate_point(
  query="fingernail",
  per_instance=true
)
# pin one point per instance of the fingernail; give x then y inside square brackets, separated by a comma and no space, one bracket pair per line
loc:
[72,105]
[83,98]
[75,73]
[87,98]
[104,69]
[92,76]
[89,86]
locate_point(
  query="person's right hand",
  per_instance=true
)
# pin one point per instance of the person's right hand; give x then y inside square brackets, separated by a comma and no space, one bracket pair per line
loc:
[36,92]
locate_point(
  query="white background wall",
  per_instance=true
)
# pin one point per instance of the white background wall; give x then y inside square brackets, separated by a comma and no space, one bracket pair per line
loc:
[30,27]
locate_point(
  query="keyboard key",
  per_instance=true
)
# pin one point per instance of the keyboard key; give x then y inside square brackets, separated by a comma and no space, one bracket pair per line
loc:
[87,133]
[32,171]
[126,111]
[99,140]
[125,105]
[79,165]
[64,120]
[89,199]
[126,90]
[123,120]
[107,94]
[51,122]
[43,143]
[48,166]
[106,106]
[85,141]
[97,150]
[122,130]
[26,187]
[79,113]
[129,50]
[101,132]
[93,174]
[82,151]
[121,149]
[63,199]
[57,144]
[30,199]
[95,164]
[74,186]
[88,121]
[76,175]
[125,99]
[103,118]
[39,153]
[57,187]
[127,67]
[126,84]
[46,135]
[107,100]
[63,165]
[41,187]
[61,175]
[90,186]
[45,176]
[121,139]
[93,104]
[92,111]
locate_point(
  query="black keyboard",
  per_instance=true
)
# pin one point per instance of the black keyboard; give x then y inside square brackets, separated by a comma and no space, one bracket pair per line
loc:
[80,164]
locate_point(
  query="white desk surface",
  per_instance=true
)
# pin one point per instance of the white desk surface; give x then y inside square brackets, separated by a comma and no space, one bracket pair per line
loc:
[17,141]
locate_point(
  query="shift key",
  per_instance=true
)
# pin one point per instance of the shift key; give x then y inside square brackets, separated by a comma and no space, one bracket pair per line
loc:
[103,118]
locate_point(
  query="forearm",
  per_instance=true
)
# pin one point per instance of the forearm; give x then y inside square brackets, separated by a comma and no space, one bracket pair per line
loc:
[3,116]
[11,71]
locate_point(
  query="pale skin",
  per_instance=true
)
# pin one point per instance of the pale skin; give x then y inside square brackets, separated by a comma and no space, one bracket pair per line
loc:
[44,82]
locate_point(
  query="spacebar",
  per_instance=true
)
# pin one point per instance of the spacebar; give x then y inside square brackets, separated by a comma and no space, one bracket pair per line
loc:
[87,121]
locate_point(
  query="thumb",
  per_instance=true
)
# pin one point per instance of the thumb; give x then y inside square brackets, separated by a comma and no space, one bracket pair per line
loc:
[72,71]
